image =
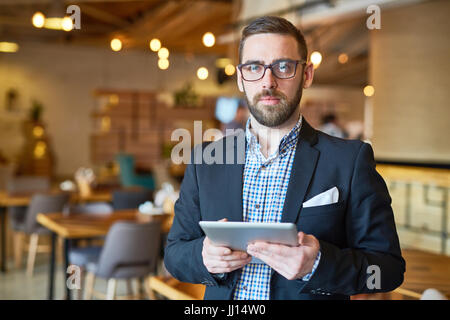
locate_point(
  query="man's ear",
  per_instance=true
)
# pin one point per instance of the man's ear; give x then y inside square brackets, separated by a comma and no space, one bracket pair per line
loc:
[239,80]
[308,75]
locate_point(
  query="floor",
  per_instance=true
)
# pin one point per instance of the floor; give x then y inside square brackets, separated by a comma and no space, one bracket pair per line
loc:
[16,285]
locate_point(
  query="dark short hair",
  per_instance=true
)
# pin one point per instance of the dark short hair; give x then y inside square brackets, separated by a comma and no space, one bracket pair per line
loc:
[272,24]
[327,118]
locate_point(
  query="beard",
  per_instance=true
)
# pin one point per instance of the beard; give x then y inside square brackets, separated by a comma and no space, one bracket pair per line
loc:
[274,115]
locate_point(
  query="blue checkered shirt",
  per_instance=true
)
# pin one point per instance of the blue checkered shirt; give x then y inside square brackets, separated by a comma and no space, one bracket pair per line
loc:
[264,191]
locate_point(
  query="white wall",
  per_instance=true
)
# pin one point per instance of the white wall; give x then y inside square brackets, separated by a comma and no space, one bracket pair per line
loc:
[409,68]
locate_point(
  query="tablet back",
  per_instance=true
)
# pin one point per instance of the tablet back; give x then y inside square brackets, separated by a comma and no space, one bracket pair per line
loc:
[237,235]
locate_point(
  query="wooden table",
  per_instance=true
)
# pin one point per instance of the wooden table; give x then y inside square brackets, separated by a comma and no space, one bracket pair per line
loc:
[18,200]
[79,226]
[13,200]
[426,270]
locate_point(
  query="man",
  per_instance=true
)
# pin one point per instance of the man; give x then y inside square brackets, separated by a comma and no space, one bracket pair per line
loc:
[330,126]
[239,120]
[287,167]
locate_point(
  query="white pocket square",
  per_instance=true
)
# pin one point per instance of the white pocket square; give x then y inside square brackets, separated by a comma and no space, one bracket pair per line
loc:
[327,197]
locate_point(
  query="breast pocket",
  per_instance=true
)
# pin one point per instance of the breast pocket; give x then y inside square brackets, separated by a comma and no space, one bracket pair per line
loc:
[325,222]
[328,209]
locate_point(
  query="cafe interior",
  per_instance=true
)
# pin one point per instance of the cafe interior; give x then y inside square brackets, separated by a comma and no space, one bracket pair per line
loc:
[92,91]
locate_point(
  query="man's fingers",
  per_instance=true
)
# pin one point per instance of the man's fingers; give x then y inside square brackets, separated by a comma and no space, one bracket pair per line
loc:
[226,266]
[211,249]
[306,240]
[270,249]
[235,256]
[274,263]
[301,236]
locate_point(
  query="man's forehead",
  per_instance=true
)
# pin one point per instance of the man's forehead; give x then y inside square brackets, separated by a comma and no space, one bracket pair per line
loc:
[269,47]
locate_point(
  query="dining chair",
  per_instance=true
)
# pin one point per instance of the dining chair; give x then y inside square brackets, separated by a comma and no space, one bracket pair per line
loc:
[172,289]
[40,203]
[95,208]
[16,214]
[130,252]
[92,209]
[128,175]
[130,199]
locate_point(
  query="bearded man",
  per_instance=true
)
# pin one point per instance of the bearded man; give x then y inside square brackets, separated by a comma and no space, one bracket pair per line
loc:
[290,172]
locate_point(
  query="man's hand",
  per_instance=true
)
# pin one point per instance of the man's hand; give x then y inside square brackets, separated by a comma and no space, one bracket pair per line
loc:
[291,262]
[222,259]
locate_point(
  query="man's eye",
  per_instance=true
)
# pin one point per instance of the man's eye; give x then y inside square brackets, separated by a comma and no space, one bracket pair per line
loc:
[255,68]
[284,67]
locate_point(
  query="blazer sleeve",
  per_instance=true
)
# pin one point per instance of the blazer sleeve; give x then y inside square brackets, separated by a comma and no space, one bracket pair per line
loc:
[183,252]
[372,239]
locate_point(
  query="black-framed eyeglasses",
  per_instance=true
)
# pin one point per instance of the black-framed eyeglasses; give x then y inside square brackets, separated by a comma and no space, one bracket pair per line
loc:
[282,69]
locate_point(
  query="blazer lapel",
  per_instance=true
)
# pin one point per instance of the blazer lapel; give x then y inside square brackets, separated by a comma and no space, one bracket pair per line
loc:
[303,167]
[232,192]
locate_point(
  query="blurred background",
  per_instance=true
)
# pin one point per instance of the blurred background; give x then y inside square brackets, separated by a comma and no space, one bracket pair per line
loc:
[91,91]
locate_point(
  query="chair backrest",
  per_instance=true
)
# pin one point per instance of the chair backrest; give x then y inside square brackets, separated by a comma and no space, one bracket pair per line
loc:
[28,184]
[130,199]
[131,250]
[126,165]
[92,208]
[43,203]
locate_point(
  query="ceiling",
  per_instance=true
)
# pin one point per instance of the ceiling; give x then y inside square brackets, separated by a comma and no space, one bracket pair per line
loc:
[180,25]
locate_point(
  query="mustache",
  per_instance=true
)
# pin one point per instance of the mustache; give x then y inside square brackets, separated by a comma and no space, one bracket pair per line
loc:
[269,93]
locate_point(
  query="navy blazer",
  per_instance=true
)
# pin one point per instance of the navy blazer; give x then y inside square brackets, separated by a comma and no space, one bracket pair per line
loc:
[356,232]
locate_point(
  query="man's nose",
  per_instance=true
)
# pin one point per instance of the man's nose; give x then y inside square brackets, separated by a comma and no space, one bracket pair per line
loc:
[269,81]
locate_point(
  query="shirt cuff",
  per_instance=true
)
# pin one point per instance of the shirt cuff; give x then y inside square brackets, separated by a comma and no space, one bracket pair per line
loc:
[316,263]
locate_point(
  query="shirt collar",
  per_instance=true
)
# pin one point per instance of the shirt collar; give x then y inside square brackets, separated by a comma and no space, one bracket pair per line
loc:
[286,143]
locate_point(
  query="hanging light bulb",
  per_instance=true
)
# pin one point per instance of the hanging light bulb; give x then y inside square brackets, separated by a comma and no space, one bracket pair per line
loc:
[209,39]
[343,58]
[155,44]
[8,46]
[163,64]
[202,73]
[229,70]
[116,44]
[316,59]
[67,24]
[163,53]
[369,91]
[38,19]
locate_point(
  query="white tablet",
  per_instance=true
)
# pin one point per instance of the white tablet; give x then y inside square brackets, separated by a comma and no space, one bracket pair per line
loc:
[237,235]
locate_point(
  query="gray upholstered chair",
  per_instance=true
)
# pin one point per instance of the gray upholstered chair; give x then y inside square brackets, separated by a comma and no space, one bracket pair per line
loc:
[130,199]
[16,214]
[81,259]
[40,203]
[95,208]
[24,185]
[130,252]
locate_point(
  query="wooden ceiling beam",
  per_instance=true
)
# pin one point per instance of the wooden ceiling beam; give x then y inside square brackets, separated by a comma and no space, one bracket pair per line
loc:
[218,16]
[155,16]
[103,16]
[190,12]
